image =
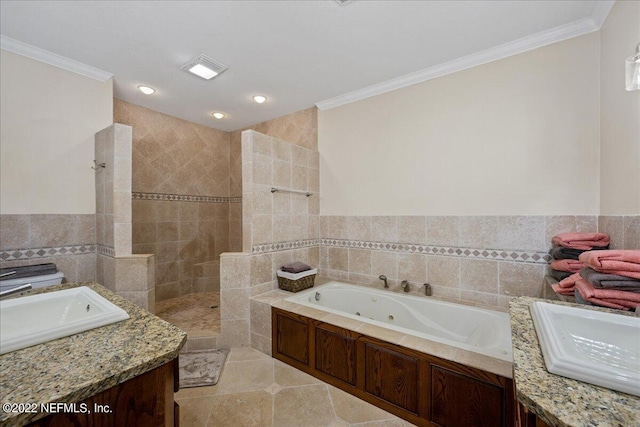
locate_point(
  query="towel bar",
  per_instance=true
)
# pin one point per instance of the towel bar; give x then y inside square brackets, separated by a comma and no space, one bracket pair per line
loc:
[306,193]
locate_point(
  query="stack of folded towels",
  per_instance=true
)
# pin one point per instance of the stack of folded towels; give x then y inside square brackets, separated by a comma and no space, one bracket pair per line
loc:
[567,247]
[611,278]
[295,267]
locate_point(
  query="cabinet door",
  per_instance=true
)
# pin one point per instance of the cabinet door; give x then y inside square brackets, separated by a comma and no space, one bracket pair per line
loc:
[458,400]
[392,376]
[336,355]
[291,337]
[141,401]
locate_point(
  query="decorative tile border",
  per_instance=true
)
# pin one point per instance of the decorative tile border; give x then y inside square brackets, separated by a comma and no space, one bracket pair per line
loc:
[284,246]
[477,253]
[106,250]
[184,198]
[33,253]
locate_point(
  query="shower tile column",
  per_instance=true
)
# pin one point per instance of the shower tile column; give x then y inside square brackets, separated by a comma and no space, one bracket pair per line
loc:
[235,280]
[130,276]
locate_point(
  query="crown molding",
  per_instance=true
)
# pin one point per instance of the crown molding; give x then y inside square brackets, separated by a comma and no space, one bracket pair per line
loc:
[534,41]
[54,59]
[601,11]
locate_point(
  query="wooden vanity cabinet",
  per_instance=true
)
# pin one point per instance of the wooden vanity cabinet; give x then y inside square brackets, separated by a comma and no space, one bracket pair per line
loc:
[420,388]
[525,418]
[142,401]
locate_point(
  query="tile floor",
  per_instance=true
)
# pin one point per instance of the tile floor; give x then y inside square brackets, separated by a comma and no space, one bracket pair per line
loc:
[257,390]
[193,313]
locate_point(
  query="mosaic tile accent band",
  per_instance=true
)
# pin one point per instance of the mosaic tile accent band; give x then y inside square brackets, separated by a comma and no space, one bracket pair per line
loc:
[283,246]
[32,253]
[106,250]
[184,198]
[477,253]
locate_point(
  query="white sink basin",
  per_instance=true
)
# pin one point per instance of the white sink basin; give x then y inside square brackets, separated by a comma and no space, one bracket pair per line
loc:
[41,318]
[591,346]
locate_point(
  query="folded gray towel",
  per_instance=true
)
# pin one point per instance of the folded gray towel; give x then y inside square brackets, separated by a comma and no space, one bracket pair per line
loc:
[559,252]
[295,267]
[580,299]
[610,281]
[559,275]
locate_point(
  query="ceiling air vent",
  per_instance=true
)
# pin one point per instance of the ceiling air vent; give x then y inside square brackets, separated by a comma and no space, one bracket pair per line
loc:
[344,2]
[204,67]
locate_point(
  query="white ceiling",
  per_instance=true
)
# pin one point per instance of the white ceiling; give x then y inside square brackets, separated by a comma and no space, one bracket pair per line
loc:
[297,53]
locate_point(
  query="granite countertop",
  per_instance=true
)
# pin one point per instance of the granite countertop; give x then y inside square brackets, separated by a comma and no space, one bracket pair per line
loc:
[557,400]
[74,368]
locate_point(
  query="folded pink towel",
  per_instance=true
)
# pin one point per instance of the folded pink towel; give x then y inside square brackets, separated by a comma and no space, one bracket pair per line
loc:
[584,241]
[623,262]
[587,290]
[621,300]
[562,291]
[570,265]
[570,282]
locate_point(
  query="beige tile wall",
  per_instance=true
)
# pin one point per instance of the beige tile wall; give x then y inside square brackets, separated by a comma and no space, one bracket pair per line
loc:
[299,128]
[187,239]
[486,281]
[113,188]
[174,156]
[278,217]
[624,230]
[51,232]
[132,277]
[268,218]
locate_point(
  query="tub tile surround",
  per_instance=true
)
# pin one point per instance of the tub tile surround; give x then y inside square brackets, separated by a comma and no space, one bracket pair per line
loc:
[67,240]
[482,259]
[261,332]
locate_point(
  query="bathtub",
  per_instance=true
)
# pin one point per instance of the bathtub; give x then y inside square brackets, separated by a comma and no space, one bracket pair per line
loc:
[469,328]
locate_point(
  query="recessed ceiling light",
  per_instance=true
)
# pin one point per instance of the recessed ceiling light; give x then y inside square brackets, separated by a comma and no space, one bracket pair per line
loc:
[218,115]
[146,89]
[204,67]
[259,99]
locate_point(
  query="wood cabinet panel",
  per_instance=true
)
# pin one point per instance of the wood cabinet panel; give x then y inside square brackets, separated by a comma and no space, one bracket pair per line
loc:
[421,388]
[141,401]
[392,376]
[292,337]
[460,400]
[335,355]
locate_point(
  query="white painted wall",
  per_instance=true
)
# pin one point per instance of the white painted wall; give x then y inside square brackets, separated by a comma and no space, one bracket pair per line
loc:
[518,136]
[619,114]
[48,119]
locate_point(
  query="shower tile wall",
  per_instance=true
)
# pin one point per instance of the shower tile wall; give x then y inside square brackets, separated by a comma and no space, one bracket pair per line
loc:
[277,228]
[113,189]
[299,128]
[173,159]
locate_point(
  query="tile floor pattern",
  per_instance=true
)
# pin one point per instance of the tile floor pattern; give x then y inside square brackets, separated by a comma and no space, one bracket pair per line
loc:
[193,313]
[257,390]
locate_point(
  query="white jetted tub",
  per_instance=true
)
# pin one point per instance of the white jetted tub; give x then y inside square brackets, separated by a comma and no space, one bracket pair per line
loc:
[470,328]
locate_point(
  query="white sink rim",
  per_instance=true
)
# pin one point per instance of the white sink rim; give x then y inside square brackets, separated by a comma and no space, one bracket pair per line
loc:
[111,313]
[558,360]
